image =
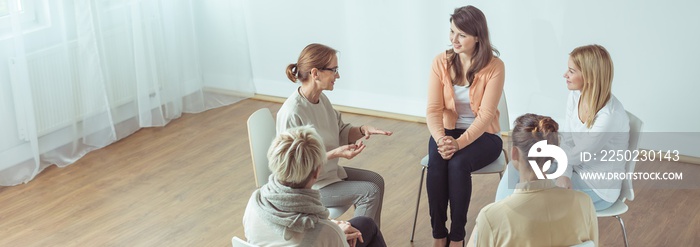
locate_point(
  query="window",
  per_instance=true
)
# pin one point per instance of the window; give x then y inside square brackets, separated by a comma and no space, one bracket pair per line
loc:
[5,7]
[33,15]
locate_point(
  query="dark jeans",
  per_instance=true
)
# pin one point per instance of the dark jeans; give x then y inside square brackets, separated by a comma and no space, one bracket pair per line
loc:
[370,232]
[451,181]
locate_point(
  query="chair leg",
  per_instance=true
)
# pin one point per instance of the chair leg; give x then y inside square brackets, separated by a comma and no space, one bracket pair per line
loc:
[500,174]
[420,188]
[624,232]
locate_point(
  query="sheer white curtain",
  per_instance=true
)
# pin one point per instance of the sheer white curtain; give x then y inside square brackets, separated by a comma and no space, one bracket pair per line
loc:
[85,73]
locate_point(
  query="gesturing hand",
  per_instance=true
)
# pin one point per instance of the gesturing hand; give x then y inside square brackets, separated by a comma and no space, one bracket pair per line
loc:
[369,130]
[347,151]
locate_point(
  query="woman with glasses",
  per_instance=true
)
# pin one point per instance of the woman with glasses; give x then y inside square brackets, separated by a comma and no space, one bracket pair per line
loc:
[317,69]
[465,85]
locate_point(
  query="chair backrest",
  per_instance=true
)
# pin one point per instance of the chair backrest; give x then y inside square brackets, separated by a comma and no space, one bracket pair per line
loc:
[237,242]
[635,130]
[503,119]
[261,132]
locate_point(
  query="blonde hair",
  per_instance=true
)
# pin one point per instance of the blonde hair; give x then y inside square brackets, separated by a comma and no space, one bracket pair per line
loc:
[312,56]
[597,70]
[295,155]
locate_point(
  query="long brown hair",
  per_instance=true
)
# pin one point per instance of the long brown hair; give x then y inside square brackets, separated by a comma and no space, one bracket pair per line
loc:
[313,56]
[472,21]
[597,70]
[532,128]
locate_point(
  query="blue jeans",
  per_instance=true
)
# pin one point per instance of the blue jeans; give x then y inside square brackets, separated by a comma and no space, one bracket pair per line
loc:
[511,177]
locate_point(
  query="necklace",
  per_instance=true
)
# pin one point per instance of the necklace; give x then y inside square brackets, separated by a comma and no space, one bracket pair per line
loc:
[301,91]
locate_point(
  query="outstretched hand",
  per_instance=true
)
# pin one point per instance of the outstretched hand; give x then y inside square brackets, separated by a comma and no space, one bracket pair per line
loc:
[369,130]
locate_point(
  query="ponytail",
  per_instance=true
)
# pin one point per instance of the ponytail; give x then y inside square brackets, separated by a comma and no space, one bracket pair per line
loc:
[292,72]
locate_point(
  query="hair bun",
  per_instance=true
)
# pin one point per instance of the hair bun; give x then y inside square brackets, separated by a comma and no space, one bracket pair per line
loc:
[292,72]
[547,125]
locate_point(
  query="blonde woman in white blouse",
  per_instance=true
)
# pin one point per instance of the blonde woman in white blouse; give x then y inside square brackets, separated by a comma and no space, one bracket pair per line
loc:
[595,122]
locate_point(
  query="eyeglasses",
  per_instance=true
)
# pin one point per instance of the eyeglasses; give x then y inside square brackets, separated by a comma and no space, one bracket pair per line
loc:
[335,70]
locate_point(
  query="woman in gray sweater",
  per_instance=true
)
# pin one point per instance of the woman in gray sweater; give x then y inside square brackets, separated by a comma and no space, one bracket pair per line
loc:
[288,212]
[317,69]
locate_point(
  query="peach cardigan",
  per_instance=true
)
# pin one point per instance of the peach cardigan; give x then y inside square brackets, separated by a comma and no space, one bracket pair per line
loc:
[484,94]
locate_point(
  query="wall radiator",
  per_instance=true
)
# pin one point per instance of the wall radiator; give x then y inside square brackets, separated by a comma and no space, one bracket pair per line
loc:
[62,97]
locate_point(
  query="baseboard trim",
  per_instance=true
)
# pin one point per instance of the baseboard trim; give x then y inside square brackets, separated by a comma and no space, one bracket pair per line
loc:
[354,110]
[689,159]
[681,158]
[227,92]
[270,98]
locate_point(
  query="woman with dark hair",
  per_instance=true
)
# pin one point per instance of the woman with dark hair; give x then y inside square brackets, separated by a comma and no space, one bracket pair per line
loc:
[465,85]
[317,69]
[538,213]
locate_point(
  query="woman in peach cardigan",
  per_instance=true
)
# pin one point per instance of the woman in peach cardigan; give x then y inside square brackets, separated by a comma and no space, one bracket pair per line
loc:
[465,85]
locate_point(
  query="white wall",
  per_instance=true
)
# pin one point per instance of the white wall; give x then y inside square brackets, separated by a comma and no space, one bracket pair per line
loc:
[223,46]
[387,46]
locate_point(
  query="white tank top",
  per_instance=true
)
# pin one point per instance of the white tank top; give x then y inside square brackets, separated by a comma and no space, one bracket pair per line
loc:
[465,115]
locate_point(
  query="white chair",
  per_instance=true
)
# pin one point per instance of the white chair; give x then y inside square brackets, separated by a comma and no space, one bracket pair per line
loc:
[627,192]
[588,243]
[237,242]
[261,132]
[498,166]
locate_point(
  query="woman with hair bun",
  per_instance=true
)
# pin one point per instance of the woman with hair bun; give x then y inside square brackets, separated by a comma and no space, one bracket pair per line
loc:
[538,213]
[317,70]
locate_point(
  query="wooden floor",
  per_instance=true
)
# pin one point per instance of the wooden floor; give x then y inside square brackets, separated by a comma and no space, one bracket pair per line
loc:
[187,184]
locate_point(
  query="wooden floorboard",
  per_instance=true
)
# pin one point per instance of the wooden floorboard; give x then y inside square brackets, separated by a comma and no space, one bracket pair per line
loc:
[186,184]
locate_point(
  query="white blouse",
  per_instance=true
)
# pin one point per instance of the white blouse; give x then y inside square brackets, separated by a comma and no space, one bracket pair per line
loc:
[465,115]
[609,132]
